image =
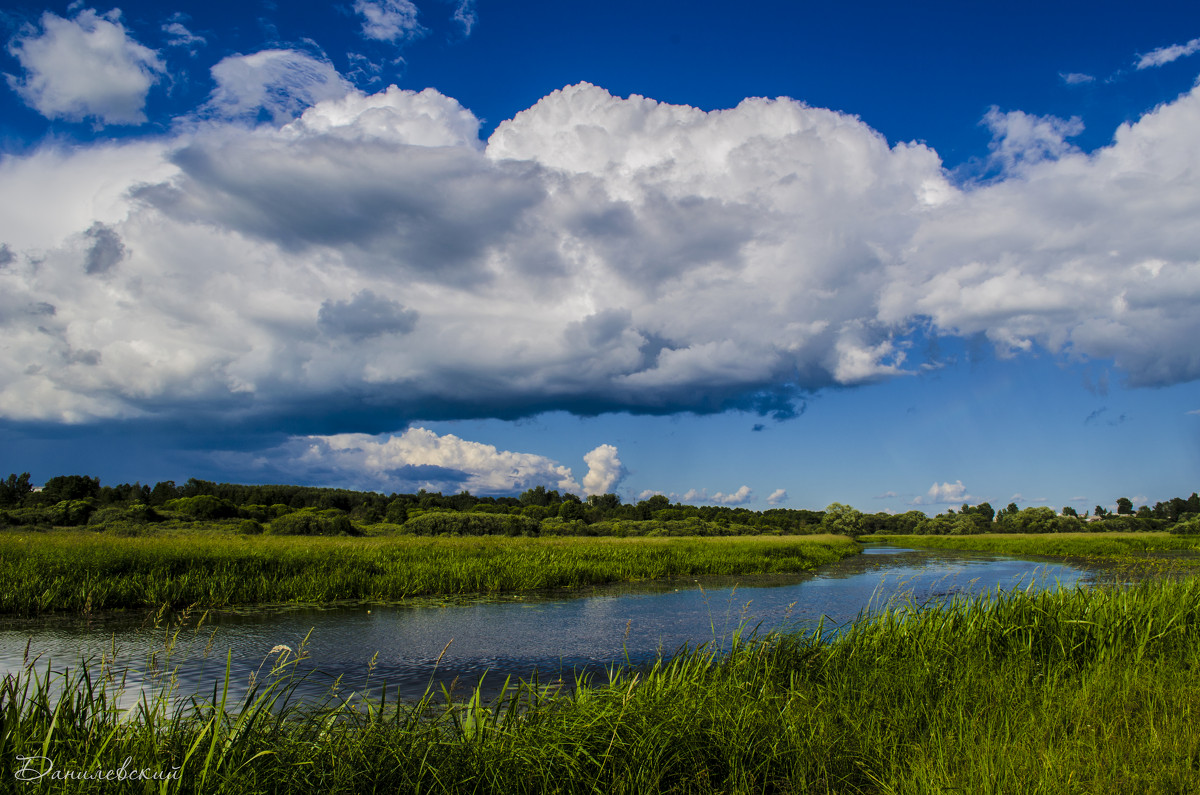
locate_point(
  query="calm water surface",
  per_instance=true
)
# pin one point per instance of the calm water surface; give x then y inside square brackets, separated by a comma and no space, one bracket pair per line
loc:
[457,641]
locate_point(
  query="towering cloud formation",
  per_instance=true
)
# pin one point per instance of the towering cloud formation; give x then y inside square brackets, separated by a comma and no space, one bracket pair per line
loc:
[604,470]
[419,458]
[373,257]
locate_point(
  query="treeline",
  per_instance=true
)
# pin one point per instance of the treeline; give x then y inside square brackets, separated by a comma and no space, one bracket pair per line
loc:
[1177,515]
[80,500]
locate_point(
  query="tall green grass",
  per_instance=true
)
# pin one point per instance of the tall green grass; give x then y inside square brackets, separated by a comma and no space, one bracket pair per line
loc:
[82,572]
[1067,544]
[1054,692]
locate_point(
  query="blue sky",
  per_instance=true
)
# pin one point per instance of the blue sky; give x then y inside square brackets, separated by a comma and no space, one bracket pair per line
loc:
[888,255]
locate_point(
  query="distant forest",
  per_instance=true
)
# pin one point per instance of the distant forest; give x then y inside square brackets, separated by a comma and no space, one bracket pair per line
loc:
[134,508]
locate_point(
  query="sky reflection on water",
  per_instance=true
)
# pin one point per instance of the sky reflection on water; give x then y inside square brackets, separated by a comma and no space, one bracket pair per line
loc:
[456,641]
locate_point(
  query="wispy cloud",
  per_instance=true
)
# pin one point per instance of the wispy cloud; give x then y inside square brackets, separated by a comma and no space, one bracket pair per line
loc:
[281,83]
[389,20]
[179,36]
[465,16]
[777,496]
[1165,55]
[1098,415]
[1075,78]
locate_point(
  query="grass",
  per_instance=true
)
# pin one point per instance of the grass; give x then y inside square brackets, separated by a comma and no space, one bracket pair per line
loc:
[1110,545]
[1070,691]
[82,572]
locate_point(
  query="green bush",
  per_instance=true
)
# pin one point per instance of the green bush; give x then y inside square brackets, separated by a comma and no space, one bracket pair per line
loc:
[1190,527]
[137,513]
[313,522]
[203,506]
[472,524]
[250,527]
[71,513]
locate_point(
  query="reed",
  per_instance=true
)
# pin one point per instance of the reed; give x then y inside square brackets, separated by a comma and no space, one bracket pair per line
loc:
[1070,691]
[83,572]
[1109,545]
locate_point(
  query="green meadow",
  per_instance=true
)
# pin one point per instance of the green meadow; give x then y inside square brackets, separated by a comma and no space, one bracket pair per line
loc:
[81,571]
[1070,691]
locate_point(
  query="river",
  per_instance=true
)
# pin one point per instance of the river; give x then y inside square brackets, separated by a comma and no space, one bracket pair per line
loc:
[456,641]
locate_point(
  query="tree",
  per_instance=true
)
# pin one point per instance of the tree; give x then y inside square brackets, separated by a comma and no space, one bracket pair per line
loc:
[657,502]
[70,487]
[571,509]
[1069,511]
[985,510]
[13,490]
[1010,510]
[605,502]
[1124,506]
[537,496]
[842,519]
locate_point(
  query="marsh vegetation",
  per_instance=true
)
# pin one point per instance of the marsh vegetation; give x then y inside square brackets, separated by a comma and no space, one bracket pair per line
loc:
[1063,691]
[83,572]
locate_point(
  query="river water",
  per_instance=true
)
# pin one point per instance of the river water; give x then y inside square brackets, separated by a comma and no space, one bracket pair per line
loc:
[455,642]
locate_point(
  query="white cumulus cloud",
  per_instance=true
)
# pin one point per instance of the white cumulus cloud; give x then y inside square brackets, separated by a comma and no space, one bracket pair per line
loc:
[1020,139]
[604,470]
[742,495]
[85,67]
[418,458]
[944,494]
[777,496]
[597,253]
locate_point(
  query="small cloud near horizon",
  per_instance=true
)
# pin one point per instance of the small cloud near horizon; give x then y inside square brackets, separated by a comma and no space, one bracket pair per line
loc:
[944,494]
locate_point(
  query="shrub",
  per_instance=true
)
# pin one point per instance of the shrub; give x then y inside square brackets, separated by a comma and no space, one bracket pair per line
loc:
[250,527]
[70,512]
[1190,527]
[472,524]
[203,506]
[137,513]
[312,522]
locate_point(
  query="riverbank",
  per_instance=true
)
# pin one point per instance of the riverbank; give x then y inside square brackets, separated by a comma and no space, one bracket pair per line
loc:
[1088,691]
[1094,545]
[82,572]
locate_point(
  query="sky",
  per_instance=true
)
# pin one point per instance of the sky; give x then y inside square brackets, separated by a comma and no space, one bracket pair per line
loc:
[893,255]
